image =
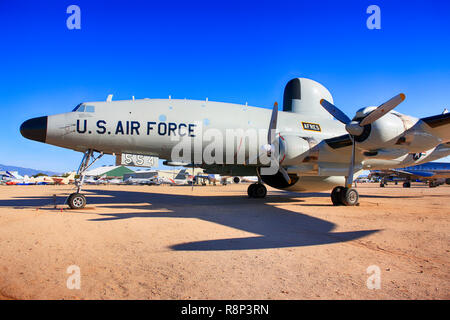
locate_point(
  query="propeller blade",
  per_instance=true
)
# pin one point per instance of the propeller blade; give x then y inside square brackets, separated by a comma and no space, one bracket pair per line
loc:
[273,124]
[285,174]
[335,112]
[383,109]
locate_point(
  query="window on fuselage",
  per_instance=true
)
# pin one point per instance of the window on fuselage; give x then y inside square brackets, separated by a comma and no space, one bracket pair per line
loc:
[89,109]
[79,108]
[84,108]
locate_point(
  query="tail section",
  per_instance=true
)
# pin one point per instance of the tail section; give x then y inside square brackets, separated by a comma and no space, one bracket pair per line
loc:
[439,125]
[14,175]
[71,176]
[181,175]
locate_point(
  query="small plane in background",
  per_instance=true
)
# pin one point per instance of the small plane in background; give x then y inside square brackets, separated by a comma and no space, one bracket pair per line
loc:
[142,181]
[40,180]
[249,179]
[433,173]
[13,178]
[181,179]
[217,178]
[16,179]
[65,180]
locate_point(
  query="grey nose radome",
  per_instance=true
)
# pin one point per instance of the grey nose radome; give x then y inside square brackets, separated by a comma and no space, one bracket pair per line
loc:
[35,129]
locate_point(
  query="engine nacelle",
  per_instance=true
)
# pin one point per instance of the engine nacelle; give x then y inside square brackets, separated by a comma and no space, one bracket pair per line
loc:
[293,149]
[382,133]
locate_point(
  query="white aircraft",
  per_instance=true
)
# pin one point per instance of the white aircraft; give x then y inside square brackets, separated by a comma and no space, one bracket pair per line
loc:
[65,180]
[142,181]
[301,148]
[13,178]
[252,179]
[182,178]
[40,180]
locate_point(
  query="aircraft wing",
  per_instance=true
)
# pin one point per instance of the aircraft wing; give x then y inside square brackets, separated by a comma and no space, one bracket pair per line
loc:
[420,174]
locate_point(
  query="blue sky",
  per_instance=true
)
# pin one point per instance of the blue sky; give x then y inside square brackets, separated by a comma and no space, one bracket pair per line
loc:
[231,51]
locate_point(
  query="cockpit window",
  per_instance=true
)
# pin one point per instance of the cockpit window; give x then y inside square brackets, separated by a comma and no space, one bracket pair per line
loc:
[84,108]
[79,108]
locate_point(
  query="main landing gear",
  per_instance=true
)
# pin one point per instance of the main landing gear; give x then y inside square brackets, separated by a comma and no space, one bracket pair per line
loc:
[77,200]
[344,196]
[256,190]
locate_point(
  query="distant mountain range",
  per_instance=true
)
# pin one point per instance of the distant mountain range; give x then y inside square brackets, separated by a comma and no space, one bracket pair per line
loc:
[26,171]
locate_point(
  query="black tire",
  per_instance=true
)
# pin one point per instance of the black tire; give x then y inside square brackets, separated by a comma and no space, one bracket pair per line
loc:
[349,197]
[260,191]
[76,201]
[250,190]
[336,196]
[406,184]
[381,185]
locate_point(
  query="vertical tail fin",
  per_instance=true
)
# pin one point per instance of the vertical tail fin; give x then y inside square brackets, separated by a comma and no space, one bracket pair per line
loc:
[181,174]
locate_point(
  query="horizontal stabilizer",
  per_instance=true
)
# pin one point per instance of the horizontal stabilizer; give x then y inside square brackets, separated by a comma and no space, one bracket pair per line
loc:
[440,125]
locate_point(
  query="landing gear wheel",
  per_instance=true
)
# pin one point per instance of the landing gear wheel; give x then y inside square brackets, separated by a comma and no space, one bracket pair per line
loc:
[256,190]
[76,201]
[250,190]
[336,196]
[407,184]
[381,185]
[260,191]
[349,197]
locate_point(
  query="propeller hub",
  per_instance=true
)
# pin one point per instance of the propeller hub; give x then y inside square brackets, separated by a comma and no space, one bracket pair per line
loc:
[267,148]
[354,128]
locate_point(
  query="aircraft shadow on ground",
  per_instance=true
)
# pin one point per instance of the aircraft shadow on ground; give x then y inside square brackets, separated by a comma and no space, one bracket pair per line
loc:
[275,227]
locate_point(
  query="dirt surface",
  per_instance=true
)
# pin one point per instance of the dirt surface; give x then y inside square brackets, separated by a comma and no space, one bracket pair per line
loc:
[167,242]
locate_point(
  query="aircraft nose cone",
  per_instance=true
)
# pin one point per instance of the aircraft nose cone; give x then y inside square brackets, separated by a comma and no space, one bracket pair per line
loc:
[35,129]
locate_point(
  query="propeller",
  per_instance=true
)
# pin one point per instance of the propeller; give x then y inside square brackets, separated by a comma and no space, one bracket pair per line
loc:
[269,147]
[355,128]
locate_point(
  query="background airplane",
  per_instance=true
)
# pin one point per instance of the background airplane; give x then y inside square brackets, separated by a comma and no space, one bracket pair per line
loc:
[12,178]
[65,180]
[433,173]
[142,181]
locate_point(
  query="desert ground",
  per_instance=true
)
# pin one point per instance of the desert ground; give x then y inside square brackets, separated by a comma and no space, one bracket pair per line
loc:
[213,242]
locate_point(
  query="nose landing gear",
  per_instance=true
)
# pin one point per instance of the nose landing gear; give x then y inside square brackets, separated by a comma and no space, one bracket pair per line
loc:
[77,200]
